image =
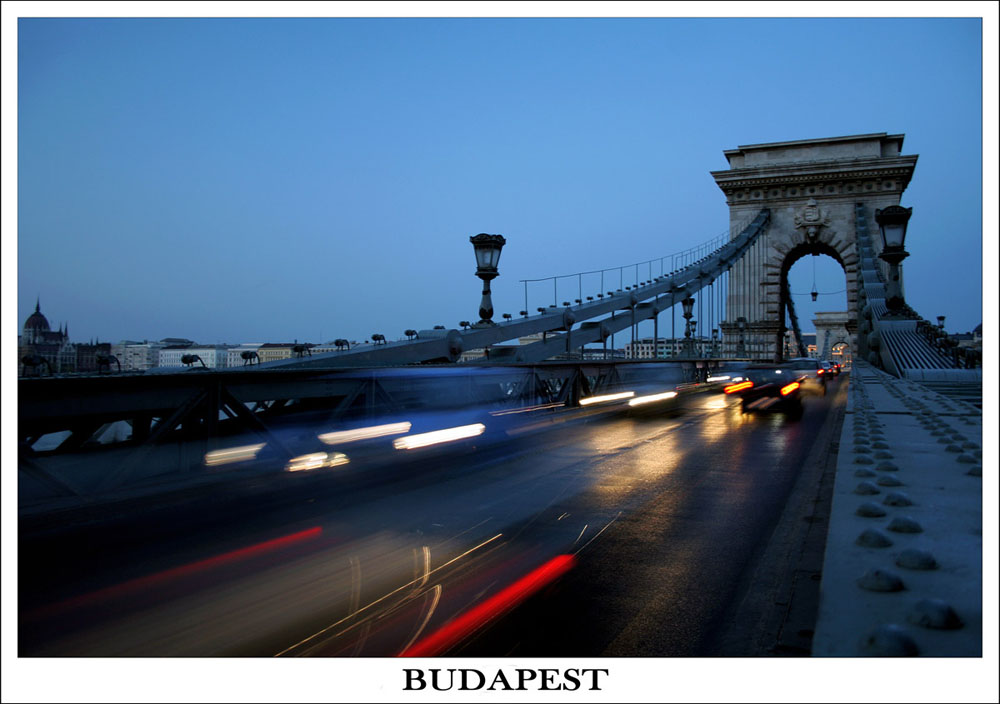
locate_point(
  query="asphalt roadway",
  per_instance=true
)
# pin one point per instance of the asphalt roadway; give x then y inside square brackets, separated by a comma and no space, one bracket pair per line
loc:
[722,556]
[663,534]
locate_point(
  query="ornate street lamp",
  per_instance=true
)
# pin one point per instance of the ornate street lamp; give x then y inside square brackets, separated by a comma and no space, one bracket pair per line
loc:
[941,322]
[688,306]
[487,257]
[892,226]
[741,325]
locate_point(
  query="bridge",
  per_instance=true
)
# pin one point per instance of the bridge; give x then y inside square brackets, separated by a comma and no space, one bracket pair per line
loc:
[395,425]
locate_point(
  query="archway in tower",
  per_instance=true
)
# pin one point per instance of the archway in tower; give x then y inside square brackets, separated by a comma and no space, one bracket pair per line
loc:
[841,353]
[813,282]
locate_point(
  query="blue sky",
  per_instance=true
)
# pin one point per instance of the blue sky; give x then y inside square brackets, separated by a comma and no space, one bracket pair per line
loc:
[255,180]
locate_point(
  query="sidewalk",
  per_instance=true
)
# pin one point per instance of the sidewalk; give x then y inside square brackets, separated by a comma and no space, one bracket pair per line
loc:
[902,571]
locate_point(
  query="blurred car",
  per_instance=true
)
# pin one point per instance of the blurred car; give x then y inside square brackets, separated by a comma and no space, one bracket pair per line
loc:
[810,373]
[768,389]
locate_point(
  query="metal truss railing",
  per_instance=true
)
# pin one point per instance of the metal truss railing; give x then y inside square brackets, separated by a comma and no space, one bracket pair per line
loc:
[565,329]
[174,423]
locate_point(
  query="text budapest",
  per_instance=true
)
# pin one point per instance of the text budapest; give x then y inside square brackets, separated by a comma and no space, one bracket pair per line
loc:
[468,679]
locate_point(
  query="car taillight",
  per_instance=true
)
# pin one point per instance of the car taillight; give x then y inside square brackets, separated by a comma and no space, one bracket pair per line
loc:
[819,372]
[789,388]
[742,386]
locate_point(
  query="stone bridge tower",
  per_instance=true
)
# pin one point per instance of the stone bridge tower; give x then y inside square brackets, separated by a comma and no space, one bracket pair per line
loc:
[811,187]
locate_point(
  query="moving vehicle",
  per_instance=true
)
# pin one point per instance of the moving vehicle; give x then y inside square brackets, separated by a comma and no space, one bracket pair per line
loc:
[831,368]
[769,389]
[811,374]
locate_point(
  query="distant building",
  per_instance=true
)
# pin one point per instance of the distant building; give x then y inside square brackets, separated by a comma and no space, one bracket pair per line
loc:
[273,351]
[49,348]
[972,340]
[87,356]
[173,356]
[809,340]
[667,348]
[234,355]
[137,356]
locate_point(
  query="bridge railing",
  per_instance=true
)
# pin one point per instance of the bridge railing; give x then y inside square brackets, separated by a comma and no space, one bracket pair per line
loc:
[202,426]
[599,283]
[564,329]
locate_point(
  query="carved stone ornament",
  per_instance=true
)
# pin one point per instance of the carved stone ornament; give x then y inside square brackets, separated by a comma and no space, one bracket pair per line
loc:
[811,218]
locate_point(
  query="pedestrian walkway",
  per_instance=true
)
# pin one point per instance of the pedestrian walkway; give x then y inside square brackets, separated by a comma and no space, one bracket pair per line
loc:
[902,571]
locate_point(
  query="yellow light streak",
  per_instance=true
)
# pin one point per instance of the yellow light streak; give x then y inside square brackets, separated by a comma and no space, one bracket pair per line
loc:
[233,454]
[316,460]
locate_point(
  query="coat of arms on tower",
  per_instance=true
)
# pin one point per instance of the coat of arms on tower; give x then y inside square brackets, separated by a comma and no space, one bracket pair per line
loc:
[811,218]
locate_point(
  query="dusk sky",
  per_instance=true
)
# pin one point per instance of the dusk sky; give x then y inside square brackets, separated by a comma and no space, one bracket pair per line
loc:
[255,180]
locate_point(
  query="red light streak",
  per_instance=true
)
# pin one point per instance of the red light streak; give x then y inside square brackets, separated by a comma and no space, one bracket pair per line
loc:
[132,586]
[733,388]
[453,632]
[785,390]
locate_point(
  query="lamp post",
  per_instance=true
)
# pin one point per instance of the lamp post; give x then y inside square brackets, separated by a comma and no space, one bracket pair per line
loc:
[741,325]
[715,341]
[688,305]
[695,347]
[892,226]
[487,257]
[941,322]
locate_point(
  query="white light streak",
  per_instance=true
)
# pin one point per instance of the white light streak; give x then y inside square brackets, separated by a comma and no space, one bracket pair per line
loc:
[437,437]
[375,431]
[608,397]
[639,400]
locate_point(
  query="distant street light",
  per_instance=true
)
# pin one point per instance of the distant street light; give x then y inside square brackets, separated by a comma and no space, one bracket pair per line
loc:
[487,249]
[892,223]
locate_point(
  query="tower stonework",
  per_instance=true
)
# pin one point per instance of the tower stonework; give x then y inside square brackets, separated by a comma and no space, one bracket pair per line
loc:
[811,188]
